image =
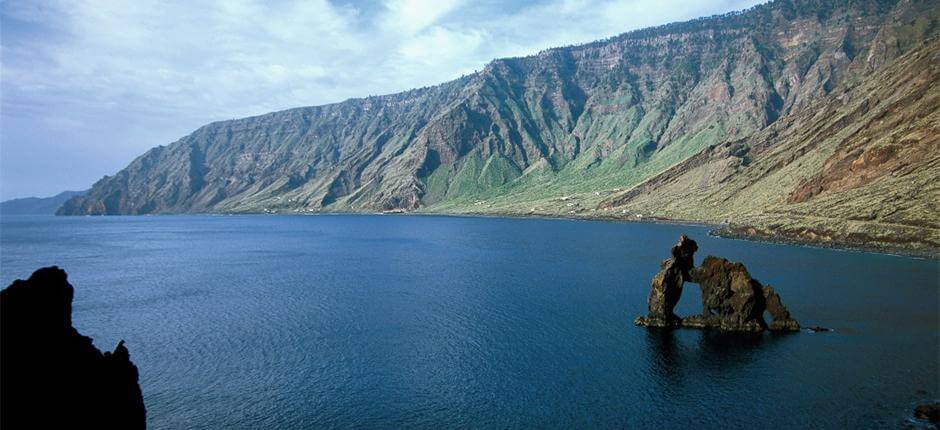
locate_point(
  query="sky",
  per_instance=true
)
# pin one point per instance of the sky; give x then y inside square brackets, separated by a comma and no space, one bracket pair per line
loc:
[87,86]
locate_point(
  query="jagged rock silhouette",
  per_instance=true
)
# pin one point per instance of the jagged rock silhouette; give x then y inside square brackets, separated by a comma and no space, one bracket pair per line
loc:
[50,375]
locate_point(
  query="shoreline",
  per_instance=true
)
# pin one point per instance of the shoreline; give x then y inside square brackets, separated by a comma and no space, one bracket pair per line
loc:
[715,229]
[719,230]
[835,245]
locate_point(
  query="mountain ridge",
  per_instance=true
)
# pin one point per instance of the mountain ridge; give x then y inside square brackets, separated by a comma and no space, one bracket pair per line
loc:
[590,120]
[37,205]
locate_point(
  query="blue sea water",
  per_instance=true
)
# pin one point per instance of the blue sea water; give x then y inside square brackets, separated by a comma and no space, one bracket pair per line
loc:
[441,322]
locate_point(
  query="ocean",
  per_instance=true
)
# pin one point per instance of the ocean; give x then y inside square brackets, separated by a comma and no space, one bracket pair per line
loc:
[399,321]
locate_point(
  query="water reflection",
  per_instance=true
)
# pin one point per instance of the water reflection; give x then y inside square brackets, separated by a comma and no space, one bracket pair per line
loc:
[666,358]
[671,359]
[735,344]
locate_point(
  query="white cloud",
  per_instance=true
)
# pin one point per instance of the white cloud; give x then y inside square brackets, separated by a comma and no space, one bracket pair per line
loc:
[122,76]
[439,52]
[412,16]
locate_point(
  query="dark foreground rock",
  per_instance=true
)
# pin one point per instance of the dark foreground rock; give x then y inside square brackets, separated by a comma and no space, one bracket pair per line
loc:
[731,299]
[50,375]
[929,412]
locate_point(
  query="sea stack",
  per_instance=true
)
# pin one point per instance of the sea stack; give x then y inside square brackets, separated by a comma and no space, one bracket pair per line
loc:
[50,375]
[666,288]
[731,299]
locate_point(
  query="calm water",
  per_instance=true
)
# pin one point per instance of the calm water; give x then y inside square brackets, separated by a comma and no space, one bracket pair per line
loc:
[424,322]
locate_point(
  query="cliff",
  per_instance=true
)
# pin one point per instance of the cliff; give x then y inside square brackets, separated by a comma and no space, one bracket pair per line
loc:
[567,131]
[859,168]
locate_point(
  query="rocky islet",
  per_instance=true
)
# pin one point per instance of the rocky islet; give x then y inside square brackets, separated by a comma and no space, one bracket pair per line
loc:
[731,299]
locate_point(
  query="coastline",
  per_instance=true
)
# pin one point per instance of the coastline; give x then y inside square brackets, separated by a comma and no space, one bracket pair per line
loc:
[837,245]
[726,231]
[717,230]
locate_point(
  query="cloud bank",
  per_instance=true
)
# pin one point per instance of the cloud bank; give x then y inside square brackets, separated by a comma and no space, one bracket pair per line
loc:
[86,86]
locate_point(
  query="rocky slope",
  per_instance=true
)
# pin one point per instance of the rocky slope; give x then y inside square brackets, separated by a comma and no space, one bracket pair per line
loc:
[858,168]
[556,133]
[50,375]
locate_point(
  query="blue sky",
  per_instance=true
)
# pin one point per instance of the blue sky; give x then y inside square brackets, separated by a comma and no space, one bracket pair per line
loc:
[87,86]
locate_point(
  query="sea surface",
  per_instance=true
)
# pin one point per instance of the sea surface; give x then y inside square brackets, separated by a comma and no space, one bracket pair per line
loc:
[378,322]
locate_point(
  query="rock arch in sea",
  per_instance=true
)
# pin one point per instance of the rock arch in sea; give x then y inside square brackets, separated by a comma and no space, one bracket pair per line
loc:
[731,299]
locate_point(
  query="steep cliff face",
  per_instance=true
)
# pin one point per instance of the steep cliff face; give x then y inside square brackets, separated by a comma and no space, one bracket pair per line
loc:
[588,118]
[857,168]
[50,375]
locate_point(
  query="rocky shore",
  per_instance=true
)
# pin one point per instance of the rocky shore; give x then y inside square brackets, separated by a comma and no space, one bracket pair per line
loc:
[898,246]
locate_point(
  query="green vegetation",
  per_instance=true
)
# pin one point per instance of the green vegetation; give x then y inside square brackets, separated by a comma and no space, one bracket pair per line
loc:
[570,131]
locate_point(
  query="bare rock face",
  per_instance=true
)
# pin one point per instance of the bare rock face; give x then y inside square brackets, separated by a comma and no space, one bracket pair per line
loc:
[50,375]
[667,285]
[731,299]
[717,79]
[779,313]
[734,301]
